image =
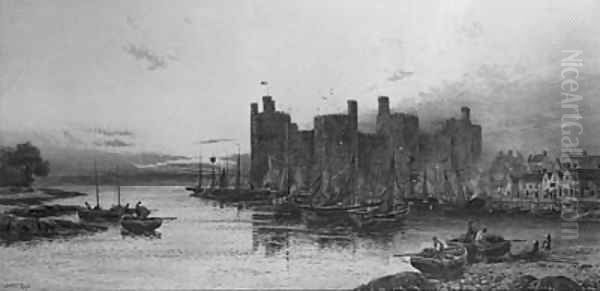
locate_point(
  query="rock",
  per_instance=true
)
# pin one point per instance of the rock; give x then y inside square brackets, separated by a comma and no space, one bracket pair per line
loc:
[400,281]
[584,266]
[557,283]
[5,222]
[522,283]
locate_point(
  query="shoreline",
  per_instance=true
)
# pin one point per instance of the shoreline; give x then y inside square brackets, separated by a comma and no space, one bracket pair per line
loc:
[14,197]
[516,275]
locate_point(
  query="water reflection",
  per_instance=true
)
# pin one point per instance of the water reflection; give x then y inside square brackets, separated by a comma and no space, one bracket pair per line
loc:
[209,246]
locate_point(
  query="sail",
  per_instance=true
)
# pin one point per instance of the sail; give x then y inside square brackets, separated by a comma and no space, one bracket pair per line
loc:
[223,181]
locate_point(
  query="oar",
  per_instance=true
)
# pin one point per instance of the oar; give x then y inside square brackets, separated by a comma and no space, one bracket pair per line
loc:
[168,218]
[405,255]
[517,240]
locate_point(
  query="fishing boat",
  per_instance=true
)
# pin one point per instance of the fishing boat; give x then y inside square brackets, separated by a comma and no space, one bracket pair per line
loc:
[390,213]
[492,246]
[139,225]
[334,211]
[220,190]
[197,189]
[447,263]
[97,214]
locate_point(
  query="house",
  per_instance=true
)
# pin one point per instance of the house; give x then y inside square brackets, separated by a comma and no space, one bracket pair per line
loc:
[541,162]
[588,182]
[530,186]
[550,185]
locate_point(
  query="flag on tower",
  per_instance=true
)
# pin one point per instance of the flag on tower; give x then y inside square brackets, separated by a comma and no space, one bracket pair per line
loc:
[264,83]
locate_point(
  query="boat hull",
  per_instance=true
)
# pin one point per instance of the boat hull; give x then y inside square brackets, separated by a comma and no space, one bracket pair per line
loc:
[377,220]
[100,215]
[141,225]
[449,263]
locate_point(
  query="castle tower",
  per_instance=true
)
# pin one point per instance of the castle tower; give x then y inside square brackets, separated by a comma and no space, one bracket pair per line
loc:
[253,135]
[384,105]
[465,113]
[268,104]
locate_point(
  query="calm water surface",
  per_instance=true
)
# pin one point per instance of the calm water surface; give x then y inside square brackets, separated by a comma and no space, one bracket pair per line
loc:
[208,246]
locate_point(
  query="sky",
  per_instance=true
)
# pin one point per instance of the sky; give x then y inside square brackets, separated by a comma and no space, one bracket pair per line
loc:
[177,74]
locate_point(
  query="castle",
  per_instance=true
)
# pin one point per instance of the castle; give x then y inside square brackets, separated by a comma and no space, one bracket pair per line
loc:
[422,162]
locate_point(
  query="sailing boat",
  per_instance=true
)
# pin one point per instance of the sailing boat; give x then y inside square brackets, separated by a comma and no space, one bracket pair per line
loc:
[389,213]
[97,213]
[220,191]
[334,211]
[198,188]
[125,209]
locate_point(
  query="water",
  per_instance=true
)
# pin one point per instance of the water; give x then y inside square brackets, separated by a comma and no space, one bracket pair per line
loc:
[212,247]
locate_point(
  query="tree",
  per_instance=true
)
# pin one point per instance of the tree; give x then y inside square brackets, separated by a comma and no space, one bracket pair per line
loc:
[28,160]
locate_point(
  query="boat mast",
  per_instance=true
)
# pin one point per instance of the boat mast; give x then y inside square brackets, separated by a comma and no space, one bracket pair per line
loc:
[238,172]
[287,159]
[213,173]
[199,171]
[424,183]
[118,186]
[97,187]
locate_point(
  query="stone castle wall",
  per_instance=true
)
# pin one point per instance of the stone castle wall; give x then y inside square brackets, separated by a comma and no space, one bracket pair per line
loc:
[335,146]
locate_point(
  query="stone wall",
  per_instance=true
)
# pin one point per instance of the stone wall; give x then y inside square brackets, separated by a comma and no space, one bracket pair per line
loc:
[335,147]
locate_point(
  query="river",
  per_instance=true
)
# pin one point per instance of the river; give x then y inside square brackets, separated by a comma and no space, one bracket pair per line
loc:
[209,246]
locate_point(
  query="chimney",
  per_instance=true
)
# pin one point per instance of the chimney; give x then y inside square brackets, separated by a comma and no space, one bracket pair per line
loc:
[253,108]
[384,105]
[465,113]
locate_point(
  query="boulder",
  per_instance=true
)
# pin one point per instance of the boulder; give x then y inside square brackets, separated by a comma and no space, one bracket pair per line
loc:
[5,222]
[522,283]
[556,283]
[400,281]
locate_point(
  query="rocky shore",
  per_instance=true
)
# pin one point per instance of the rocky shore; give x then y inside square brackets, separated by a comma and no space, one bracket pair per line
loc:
[24,217]
[583,273]
[15,228]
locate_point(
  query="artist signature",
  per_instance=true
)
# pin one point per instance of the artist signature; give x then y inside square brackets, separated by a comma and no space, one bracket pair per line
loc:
[19,285]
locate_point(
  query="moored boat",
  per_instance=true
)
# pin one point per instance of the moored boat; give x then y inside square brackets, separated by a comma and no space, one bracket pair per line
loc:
[138,225]
[447,263]
[97,214]
[491,247]
[375,219]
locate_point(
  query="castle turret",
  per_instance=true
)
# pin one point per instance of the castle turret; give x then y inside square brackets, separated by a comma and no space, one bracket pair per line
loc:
[384,105]
[353,113]
[465,113]
[253,108]
[268,104]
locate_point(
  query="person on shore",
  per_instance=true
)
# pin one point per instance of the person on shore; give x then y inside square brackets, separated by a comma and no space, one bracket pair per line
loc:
[438,245]
[88,206]
[547,244]
[481,235]
[535,249]
[471,232]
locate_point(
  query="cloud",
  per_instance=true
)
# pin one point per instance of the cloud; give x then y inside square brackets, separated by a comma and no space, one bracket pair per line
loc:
[106,132]
[71,138]
[115,143]
[141,53]
[132,23]
[399,75]
[215,140]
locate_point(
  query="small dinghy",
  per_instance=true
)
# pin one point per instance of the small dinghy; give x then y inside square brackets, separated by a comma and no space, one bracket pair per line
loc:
[137,225]
[446,263]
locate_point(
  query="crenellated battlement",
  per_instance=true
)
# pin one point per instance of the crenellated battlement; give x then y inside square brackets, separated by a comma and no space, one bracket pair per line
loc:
[335,141]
